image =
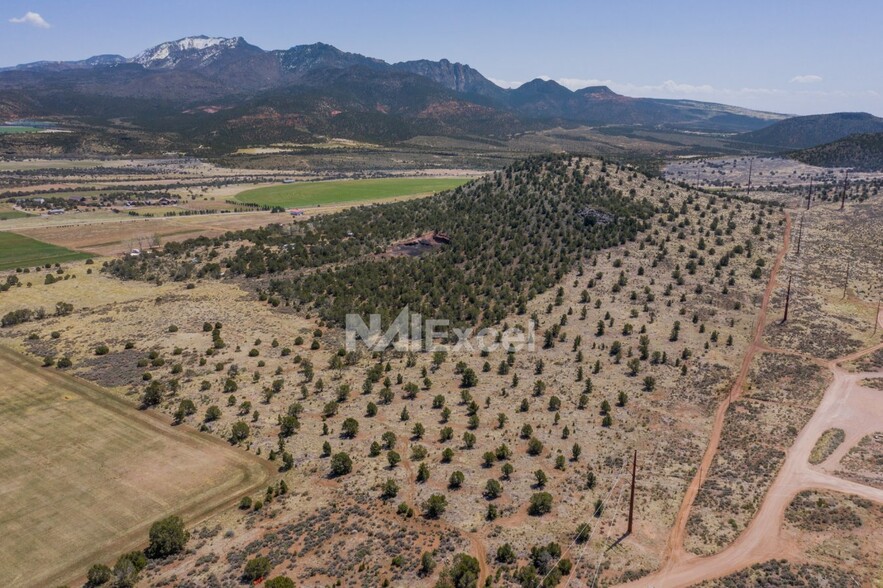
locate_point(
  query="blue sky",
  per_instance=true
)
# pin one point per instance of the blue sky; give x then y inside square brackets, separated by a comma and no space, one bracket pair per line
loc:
[789,56]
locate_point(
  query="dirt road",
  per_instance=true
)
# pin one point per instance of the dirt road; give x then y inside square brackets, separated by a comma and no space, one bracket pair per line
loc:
[846,405]
[674,552]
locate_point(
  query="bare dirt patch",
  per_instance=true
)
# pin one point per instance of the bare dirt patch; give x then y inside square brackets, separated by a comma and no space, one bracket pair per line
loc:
[113,238]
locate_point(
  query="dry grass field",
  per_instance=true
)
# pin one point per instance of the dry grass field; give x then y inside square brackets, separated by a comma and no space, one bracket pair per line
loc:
[86,474]
[119,235]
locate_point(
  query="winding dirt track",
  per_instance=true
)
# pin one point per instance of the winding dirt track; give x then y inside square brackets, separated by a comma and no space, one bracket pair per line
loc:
[846,404]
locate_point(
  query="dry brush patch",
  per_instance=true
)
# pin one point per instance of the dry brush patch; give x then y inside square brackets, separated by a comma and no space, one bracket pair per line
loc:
[864,462]
[829,315]
[869,363]
[338,536]
[826,445]
[838,531]
[816,511]
[876,383]
[779,572]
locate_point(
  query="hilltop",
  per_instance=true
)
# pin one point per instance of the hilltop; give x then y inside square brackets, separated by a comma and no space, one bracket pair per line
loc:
[861,152]
[801,132]
[643,294]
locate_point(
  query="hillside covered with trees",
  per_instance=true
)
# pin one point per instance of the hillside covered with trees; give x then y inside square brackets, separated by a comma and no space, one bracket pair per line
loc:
[506,238]
[861,152]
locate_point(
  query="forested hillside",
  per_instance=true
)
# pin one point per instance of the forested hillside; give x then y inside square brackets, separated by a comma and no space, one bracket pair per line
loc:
[506,238]
[862,152]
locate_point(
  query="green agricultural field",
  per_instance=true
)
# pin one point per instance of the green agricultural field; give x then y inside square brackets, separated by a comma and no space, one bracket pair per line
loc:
[340,191]
[6,214]
[16,130]
[20,251]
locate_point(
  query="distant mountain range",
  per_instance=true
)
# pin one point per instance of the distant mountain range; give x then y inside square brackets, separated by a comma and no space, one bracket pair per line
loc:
[223,93]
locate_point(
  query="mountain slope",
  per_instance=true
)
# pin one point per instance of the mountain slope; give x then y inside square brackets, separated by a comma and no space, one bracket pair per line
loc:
[454,76]
[223,93]
[861,152]
[809,131]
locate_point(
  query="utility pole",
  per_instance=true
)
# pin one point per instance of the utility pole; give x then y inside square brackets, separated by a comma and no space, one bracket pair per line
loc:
[750,165]
[845,184]
[632,498]
[809,196]
[800,234]
[787,301]
[846,281]
[877,319]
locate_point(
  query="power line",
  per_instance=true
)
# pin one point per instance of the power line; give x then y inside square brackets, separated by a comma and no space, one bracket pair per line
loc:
[589,542]
[595,528]
[573,541]
[609,533]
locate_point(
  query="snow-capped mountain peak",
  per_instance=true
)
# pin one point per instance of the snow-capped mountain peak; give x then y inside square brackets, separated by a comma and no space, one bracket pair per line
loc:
[199,50]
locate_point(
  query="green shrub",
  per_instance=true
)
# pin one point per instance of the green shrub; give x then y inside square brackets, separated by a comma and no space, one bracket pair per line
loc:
[167,537]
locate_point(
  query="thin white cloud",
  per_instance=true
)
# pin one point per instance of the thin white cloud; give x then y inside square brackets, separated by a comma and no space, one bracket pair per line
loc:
[579,83]
[807,79]
[33,19]
[504,83]
[668,87]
